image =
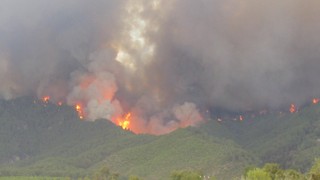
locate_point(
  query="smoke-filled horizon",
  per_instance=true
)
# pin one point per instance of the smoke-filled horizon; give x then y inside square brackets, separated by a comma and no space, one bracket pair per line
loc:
[161,60]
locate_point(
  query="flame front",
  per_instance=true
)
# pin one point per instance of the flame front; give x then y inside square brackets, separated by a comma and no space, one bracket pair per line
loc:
[46,99]
[80,111]
[292,108]
[315,101]
[125,122]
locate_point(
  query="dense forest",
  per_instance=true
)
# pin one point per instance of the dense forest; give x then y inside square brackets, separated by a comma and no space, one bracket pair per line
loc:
[45,140]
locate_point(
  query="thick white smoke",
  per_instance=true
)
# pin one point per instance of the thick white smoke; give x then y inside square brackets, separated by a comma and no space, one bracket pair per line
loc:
[161,60]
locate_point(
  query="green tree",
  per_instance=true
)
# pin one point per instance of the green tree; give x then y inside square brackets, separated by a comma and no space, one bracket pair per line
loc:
[291,174]
[105,174]
[314,172]
[134,178]
[273,170]
[258,174]
[186,175]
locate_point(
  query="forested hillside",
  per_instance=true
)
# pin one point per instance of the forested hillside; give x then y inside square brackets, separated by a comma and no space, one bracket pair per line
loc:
[43,139]
[290,139]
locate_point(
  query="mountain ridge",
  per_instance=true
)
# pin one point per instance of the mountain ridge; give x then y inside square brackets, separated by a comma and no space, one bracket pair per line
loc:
[45,139]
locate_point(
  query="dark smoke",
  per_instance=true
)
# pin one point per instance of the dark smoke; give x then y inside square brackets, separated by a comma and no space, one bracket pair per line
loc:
[235,55]
[42,42]
[240,55]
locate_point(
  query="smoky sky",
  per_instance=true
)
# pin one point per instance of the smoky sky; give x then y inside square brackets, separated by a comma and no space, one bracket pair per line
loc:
[236,55]
[241,55]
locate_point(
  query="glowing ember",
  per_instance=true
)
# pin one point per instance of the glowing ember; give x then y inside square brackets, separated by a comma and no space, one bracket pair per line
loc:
[292,108]
[46,99]
[80,111]
[315,101]
[125,122]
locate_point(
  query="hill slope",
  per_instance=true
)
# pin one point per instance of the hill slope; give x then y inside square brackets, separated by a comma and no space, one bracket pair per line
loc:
[292,140]
[44,139]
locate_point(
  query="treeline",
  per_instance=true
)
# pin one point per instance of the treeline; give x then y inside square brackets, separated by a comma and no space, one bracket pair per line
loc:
[105,174]
[272,171]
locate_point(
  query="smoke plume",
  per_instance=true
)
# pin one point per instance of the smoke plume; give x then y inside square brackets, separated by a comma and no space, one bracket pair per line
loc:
[163,61]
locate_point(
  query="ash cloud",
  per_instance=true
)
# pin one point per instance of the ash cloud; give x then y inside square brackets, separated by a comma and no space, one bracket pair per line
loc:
[42,42]
[240,55]
[161,60]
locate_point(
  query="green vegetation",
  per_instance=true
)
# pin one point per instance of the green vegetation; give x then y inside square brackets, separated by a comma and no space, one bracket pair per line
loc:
[186,175]
[41,140]
[314,172]
[291,140]
[33,178]
[274,172]
[49,140]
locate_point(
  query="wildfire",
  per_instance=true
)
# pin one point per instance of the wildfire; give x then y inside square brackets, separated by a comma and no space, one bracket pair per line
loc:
[315,101]
[46,99]
[125,122]
[80,111]
[241,118]
[292,108]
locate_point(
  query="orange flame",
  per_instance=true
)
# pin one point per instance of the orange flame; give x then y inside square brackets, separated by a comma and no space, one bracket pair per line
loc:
[80,111]
[125,122]
[292,108]
[315,101]
[46,99]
